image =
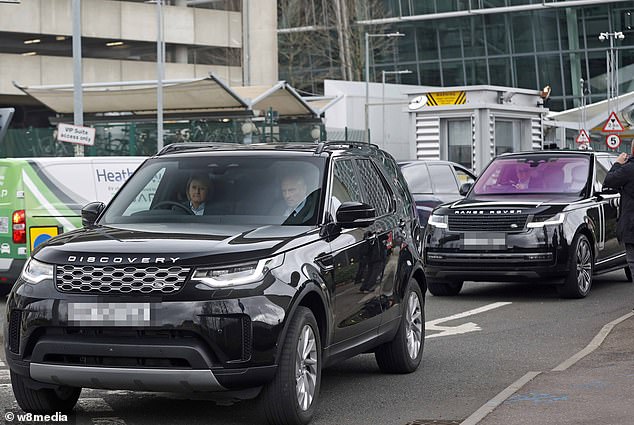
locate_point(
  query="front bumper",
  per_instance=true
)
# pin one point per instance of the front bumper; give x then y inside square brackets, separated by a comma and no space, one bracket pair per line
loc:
[529,254]
[191,343]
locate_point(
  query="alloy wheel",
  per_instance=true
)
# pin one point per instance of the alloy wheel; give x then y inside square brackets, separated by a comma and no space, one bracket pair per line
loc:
[414,325]
[306,367]
[584,266]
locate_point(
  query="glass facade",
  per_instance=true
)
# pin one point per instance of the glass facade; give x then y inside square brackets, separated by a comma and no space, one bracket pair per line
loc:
[516,43]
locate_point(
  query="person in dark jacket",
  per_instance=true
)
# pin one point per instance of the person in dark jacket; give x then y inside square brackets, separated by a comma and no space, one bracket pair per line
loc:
[621,177]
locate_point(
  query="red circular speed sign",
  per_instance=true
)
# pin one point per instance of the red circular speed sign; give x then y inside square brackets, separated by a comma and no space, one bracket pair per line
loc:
[613,141]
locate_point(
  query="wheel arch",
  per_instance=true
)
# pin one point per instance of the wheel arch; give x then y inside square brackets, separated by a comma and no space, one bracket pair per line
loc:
[311,296]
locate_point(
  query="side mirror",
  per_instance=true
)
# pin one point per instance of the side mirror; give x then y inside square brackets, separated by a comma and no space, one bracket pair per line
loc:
[90,212]
[465,188]
[355,214]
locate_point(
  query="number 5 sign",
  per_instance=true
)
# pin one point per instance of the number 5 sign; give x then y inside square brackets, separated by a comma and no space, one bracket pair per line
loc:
[613,141]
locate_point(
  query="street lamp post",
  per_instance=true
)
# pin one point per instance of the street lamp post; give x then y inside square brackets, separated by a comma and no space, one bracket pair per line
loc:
[612,68]
[367,76]
[383,74]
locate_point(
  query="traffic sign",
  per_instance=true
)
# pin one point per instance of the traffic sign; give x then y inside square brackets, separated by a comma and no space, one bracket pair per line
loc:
[583,137]
[613,141]
[613,124]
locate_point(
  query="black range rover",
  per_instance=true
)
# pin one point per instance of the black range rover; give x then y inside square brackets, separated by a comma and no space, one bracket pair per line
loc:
[238,297]
[541,216]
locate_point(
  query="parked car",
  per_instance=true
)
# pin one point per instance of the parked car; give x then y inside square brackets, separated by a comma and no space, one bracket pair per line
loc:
[148,296]
[434,182]
[539,216]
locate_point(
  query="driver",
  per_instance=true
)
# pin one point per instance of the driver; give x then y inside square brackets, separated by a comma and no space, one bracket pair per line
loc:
[294,192]
[198,187]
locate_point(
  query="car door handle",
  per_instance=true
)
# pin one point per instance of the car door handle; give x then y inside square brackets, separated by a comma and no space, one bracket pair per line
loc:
[325,262]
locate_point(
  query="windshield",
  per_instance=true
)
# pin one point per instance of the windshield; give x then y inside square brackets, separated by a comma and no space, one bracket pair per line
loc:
[222,189]
[535,174]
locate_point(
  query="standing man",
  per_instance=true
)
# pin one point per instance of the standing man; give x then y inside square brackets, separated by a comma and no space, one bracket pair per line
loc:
[621,177]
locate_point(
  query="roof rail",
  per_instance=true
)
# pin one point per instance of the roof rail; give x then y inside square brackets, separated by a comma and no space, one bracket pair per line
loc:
[175,147]
[344,143]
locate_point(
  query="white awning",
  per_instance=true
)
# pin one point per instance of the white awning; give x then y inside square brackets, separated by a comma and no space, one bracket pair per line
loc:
[208,94]
[596,114]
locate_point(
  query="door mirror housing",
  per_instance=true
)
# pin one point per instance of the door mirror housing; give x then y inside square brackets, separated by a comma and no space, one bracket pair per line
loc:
[355,214]
[465,188]
[90,212]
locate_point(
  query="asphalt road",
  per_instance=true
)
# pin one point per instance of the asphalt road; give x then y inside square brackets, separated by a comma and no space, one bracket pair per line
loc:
[476,345]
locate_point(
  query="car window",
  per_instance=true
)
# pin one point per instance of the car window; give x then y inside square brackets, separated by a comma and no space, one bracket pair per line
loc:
[600,174]
[239,190]
[463,176]
[417,178]
[374,191]
[345,185]
[443,178]
[534,174]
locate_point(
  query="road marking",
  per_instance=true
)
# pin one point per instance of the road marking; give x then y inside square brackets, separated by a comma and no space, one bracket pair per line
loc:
[108,421]
[2,364]
[432,325]
[4,375]
[490,405]
[594,344]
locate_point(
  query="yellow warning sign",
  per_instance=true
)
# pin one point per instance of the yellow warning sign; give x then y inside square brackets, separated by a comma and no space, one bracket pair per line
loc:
[447,98]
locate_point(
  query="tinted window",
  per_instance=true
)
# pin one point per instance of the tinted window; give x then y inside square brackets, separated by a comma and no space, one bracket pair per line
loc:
[345,186]
[239,190]
[374,190]
[535,174]
[417,178]
[443,179]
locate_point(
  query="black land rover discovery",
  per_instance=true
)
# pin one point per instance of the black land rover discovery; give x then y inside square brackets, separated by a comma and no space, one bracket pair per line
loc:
[300,256]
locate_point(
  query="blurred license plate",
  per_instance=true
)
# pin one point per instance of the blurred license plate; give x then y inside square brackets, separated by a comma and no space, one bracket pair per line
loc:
[109,314]
[482,240]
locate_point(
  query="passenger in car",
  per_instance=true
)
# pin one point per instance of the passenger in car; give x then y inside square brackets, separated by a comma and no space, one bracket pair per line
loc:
[198,186]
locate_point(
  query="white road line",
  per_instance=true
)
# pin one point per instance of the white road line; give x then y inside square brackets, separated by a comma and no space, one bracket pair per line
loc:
[2,364]
[4,375]
[594,344]
[433,325]
[490,405]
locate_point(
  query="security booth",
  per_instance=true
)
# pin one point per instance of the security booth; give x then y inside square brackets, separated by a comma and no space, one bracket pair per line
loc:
[471,125]
[124,115]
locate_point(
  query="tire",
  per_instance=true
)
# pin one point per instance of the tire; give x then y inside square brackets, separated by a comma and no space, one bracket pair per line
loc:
[444,289]
[628,273]
[288,400]
[404,353]
[578,282]
[43,401]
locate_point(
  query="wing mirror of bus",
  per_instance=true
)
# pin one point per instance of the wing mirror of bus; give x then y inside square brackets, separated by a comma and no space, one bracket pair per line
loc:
[465,188]
[90,212]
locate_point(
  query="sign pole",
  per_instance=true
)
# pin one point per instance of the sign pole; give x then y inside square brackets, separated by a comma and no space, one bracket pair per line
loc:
[78,107]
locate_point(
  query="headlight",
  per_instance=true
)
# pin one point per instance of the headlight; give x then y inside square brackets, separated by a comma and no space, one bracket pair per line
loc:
[439,221]
[35,271]
[236,274]
[547,221]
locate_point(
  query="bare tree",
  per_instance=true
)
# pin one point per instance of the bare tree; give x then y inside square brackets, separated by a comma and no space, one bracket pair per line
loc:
[320,39]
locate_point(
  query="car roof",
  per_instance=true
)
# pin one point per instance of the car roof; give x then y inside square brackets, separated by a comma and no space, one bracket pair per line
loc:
[558,152]
[329,147]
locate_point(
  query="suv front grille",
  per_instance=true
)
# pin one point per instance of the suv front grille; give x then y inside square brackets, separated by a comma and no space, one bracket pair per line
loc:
[484,223]
[94,279]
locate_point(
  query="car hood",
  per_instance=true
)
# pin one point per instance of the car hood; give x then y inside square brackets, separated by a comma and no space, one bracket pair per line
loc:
[184,244]
[506,205]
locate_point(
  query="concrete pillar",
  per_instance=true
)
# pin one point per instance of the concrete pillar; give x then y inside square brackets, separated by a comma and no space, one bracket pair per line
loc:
[259,42]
